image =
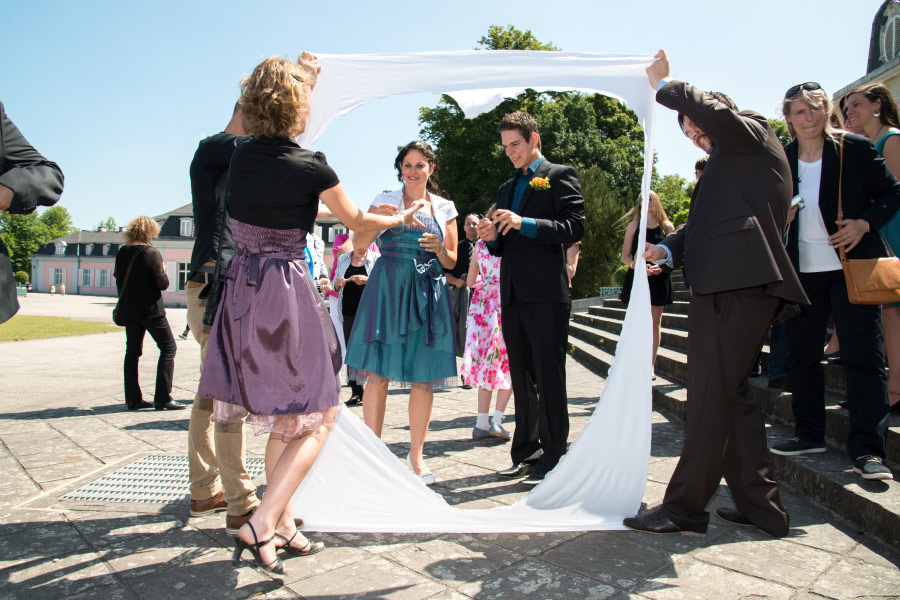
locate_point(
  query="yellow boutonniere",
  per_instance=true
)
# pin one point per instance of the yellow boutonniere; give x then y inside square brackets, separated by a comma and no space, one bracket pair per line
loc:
[540,183]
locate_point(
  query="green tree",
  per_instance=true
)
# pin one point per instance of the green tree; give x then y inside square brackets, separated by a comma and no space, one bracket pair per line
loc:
[604,204]
[674,193]
[22,277]
[58,222]
[109,224]
[22,234]
[510,38]
[781,130]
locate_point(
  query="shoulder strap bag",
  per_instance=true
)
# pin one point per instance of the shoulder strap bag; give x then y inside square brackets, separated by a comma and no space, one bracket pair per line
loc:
[869,280]
[116,315]
[214,293]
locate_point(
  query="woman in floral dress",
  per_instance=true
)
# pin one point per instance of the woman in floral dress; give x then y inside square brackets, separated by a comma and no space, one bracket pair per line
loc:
[485,363]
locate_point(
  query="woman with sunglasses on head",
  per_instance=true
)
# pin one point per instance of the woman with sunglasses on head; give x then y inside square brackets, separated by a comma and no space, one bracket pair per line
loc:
[870,109]
[831,167]
[273,352]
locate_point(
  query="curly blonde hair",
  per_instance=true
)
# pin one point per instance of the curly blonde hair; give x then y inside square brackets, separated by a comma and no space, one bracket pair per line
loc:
[141,230]
[275,98]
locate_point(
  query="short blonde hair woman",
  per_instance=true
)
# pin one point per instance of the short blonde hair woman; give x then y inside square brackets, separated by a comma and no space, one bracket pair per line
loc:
[140,279]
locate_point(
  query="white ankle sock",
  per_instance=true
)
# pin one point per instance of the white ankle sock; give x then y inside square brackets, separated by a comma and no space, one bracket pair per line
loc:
[482,421]
[498,417]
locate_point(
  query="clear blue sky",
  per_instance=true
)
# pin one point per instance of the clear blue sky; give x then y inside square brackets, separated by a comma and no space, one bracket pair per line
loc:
[119,93]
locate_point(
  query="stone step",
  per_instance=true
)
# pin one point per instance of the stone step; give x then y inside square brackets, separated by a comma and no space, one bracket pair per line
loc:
[826,479]
[679,307]
[675,338]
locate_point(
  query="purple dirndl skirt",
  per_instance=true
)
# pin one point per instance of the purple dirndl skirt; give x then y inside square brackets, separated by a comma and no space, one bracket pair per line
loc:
[273,352]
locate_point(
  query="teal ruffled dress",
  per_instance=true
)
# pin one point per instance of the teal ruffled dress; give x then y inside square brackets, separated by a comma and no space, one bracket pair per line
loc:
[891,229]
[403,331]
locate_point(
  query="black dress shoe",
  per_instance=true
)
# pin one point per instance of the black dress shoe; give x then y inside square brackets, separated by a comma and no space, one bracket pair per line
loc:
[170,405]
[354,400]
[520,470]
[780,383]
[535,478]
[140,405]
[734,516]
[655,522]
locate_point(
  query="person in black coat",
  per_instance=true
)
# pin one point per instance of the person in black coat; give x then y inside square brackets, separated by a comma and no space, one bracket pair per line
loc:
[27,180]
[827,166]
[142,310]
[538,211]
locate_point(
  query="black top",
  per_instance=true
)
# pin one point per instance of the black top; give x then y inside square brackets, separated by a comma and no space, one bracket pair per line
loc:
[352,292]
[143,294]
[463,257]
[208,170]
[276,184]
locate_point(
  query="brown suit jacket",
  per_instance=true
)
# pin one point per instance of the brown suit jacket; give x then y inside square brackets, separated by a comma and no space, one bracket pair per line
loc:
[734,236]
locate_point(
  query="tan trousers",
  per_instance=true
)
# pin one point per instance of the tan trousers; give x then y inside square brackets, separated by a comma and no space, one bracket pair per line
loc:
[215,450]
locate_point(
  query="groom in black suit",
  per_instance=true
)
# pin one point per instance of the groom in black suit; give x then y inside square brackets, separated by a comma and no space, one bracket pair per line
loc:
[539,210]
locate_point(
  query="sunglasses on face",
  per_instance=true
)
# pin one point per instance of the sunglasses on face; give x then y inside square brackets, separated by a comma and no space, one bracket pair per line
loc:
[795,89]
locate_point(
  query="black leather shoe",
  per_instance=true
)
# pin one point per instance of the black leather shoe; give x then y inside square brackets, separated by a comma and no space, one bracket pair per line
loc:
[535,478]
[170,405]
[354,400]
[140,405]
[780,383]
[734,516]
[520,470]
[655,522]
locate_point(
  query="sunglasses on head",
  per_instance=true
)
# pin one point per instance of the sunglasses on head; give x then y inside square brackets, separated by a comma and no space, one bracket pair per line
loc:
[795,89]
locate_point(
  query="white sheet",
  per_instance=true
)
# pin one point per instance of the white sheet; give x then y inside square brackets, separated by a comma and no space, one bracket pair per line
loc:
[357,484]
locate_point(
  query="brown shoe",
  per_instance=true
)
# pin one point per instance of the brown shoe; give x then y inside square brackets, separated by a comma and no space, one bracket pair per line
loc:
[200,508]
[235,522]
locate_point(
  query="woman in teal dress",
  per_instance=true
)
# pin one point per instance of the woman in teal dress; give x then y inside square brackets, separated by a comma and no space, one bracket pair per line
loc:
[872,112]
[403,332]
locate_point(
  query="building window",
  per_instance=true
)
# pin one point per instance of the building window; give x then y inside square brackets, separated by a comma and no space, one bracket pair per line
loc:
[89,249]
[890,39]
[187,228]
[59,277]
[60,248]
[182,274]
[87,278]
[103,278]
[105,249]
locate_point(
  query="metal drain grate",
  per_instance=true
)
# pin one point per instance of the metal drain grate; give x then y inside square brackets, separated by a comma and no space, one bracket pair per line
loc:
[151,479]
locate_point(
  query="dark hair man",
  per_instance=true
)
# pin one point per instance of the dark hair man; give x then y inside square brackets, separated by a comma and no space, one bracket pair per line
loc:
[741,276]
[538,211]
[27,180]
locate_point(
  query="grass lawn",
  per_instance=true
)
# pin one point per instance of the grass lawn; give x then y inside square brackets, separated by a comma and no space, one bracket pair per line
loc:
[26,327]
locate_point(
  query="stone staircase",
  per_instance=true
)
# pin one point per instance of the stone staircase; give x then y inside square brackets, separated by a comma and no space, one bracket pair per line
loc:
[827,479]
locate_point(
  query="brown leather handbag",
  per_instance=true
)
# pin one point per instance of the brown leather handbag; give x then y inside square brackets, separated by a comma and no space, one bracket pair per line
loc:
[869,280]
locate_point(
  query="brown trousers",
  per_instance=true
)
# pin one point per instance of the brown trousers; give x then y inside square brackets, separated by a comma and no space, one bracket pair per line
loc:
[725,429]
[215,450]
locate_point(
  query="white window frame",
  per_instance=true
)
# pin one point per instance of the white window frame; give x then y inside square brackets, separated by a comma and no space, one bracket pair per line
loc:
[181,272]
[58,276]
[86,278]
[187,227]
[103,278]
[60,248]
[890,38]
[106,249]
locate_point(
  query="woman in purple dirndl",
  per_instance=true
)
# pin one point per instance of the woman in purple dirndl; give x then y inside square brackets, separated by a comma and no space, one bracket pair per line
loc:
[273,351]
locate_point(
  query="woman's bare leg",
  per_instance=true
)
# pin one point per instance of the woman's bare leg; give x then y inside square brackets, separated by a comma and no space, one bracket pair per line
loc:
[420,402]
[374,401]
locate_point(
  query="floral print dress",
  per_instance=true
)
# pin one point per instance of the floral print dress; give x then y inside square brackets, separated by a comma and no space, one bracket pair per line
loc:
[485,362]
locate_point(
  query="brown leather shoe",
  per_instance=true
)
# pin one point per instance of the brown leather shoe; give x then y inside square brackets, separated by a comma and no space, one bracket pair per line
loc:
[235,522]
[200,508]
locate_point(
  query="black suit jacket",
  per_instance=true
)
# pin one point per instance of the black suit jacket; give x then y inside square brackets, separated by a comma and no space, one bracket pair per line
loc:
[734,236]
[869,192]
[34,181]
[534,270]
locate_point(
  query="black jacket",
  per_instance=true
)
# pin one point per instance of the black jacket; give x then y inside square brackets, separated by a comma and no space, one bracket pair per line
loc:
[143,293]
[869,192]
[534,270]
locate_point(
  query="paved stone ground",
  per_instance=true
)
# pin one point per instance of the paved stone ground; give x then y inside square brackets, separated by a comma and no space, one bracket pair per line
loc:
[62,424]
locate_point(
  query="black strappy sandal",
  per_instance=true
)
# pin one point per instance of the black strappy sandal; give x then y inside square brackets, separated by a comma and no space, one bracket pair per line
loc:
[276,566]
[311,547]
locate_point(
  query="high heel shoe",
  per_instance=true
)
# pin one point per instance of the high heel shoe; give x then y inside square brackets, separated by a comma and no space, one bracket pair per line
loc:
[275,566]
[426,476]
[311,547]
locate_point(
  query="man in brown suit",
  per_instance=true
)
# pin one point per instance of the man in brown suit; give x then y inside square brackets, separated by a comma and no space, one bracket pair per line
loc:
[741,277]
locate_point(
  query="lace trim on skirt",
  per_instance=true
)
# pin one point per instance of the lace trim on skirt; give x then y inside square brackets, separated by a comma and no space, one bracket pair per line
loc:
[289,427]
[363,377]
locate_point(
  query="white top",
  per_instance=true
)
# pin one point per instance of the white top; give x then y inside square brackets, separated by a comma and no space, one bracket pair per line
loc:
[816,254]
[444,210]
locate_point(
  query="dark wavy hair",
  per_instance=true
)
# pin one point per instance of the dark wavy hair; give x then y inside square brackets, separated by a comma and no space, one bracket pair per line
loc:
[423,147]
[721,97]
[877,91]
[522,122]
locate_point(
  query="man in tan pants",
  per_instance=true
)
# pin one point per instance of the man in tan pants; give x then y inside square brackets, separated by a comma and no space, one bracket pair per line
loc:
[216,451]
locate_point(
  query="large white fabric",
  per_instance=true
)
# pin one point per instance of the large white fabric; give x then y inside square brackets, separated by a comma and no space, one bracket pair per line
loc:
[357,484]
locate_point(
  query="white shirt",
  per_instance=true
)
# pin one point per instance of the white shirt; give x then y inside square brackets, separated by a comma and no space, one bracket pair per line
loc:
[816,254]
[444,210]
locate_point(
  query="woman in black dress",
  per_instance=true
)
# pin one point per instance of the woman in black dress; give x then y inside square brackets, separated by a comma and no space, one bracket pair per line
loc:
[658,227]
